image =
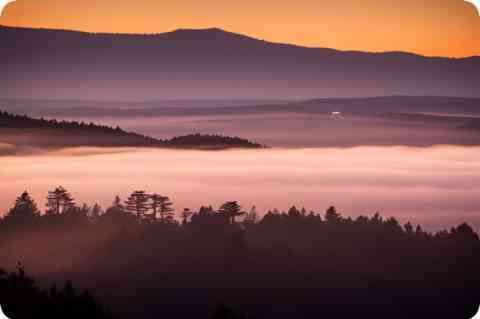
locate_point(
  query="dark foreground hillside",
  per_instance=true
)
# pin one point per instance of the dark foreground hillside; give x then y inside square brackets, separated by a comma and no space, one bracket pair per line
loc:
[144,261]
[24,131]
[22,298]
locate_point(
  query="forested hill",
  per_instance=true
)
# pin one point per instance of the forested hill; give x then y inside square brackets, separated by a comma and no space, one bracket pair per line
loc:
[22,130]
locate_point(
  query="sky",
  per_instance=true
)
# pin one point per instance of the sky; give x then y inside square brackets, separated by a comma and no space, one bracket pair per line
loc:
[428,27]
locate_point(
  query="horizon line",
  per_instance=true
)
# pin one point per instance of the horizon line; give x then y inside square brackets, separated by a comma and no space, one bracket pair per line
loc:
[237,34]
[239,99]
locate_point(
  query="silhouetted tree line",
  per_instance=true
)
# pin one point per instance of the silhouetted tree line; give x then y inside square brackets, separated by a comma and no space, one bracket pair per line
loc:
[10,120]
[14,121]
[199,140]
[147,262]
[21,298]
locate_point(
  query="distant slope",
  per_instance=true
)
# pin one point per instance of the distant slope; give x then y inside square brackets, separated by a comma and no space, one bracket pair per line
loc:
[210,63]
[19,130]
[430,105]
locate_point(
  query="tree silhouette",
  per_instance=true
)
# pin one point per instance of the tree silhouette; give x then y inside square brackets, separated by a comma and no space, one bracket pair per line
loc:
[116,214]
[231,210]
[24,210]
[21,298]
[252,216]
[162,206]
[59,201]
[293,212]
[280,265]
[137,204]
[464,233]
[166,209]
[331,215]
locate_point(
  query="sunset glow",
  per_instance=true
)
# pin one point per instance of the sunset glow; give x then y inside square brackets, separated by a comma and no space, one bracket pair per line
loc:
[429,27]
[223,159]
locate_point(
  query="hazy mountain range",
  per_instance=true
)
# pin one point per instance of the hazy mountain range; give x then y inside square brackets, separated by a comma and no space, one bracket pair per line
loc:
[212,63]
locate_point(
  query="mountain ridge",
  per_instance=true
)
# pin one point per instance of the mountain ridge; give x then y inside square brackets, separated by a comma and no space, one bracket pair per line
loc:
[206,63]
[232,34]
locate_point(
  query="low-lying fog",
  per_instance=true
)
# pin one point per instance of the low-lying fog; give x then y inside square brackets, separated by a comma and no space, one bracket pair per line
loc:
[436,186]
[296,130]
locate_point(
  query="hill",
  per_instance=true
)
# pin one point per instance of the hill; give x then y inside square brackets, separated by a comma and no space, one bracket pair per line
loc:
[39,63]
[21,130]
[433,105]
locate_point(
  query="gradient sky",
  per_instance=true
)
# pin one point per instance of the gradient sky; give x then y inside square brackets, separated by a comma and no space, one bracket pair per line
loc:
[429,27]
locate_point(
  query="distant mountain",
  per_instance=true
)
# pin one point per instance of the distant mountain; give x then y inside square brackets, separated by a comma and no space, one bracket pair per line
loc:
[427,105]
[212,63]
[24,131]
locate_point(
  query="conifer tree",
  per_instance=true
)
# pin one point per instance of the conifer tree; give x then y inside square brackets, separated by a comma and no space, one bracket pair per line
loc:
[24,208]
[59,201]
[137,204]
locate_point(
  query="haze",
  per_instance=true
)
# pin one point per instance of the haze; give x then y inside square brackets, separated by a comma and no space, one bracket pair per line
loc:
[409,183]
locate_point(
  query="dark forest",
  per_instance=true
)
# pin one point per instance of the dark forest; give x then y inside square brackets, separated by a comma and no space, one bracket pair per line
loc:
[141,259]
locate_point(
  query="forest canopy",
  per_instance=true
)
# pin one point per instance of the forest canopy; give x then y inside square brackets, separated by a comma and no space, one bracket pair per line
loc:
[146,259]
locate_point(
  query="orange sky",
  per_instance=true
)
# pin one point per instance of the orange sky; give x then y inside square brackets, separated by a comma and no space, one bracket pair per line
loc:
[429,27]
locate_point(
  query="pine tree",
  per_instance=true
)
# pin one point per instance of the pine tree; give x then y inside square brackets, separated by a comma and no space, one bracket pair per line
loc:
[331,216]
[24,208]
[155,203]
[117,214]
[137,204]
[252,216]
[165,208]
[59,201]
[231,210]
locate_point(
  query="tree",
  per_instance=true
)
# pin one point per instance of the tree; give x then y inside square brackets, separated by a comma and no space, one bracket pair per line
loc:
[59,201]
[96,212]
[22,298]
[162,205]
[231,210]
[393,227]
[116,206]
[166,209]
[409,229]
[293,212]
[186,214]
[137,204]
[24,209]
[252,216]
[303,212]
[117,215]
[464,232]
[331,216]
